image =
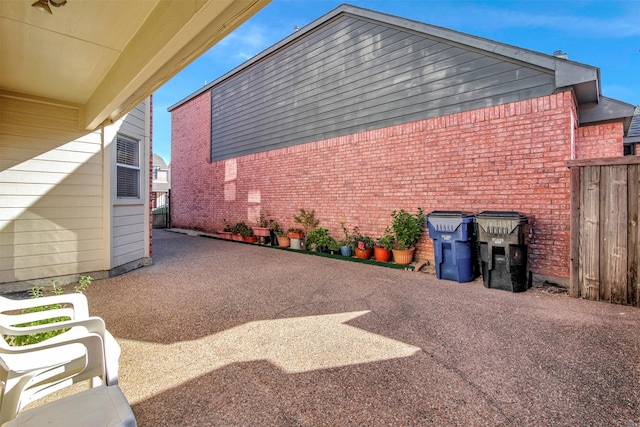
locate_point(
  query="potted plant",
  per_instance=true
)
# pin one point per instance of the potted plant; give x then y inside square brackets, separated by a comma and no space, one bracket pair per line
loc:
[407,229]
[383,247]
[262,228]
[364,246]
[307,220]
[295,233]
[334,247]
[283,240]
[236,231]
[345,244]
[319,240]
[247,233]
[274,229]
[225,233]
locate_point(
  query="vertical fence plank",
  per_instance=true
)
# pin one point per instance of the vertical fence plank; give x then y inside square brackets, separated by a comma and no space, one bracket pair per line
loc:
[605,234]
[574,274]
[633,176]
[613,264]
[590,233]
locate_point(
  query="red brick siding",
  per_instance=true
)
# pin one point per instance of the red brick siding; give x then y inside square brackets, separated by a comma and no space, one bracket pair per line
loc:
[508,157]
[191,177]
[599,141]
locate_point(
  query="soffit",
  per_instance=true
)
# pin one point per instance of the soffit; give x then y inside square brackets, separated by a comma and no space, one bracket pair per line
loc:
[105,56]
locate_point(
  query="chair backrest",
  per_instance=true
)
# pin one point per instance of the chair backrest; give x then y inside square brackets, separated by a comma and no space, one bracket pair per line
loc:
[30,374]
[73,306]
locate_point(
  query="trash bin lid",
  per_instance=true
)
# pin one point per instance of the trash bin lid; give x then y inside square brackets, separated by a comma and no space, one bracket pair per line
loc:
[447,221]
[456,214]
[500,222]
[502,215]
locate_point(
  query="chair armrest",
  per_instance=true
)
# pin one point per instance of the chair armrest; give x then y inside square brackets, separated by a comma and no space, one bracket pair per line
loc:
[83,326]
[77,300]
[35,358]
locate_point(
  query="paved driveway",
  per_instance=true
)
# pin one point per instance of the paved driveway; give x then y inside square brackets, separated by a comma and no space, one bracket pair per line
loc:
[226,334]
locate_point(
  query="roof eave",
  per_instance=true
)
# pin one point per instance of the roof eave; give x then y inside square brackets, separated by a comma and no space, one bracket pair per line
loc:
[607,110]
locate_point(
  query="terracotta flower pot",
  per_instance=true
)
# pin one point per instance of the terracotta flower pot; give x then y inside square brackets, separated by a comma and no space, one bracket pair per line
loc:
[363,253]
[381,254]
[224,235]
[261,231]
[283,241]
[295,234]
[236,237]
[252,239]
[403,257]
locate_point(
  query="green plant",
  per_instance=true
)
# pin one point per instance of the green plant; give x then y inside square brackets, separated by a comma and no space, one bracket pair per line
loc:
[348,239]
[295,230]
[227,226]
[307,220]
[365,242]
[262,220]
[319,238]
[38,292]
[83,284]
[274,226]
[236,228]
[407,228]
[386,241]
[242,229]
[359,240]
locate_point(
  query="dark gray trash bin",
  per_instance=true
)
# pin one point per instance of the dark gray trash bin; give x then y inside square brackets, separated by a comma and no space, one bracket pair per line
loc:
[502,237]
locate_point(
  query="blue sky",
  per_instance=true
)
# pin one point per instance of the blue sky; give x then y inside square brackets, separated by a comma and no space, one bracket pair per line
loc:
[604,34]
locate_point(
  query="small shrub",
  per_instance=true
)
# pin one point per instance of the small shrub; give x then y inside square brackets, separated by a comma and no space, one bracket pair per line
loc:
[307,220]
[407,228]
[319,238]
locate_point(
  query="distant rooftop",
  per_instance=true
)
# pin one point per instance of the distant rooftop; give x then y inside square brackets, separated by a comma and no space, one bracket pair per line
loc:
[159,162]
[634,129]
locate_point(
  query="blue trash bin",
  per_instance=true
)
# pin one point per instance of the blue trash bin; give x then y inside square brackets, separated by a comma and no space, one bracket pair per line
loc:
[453,245]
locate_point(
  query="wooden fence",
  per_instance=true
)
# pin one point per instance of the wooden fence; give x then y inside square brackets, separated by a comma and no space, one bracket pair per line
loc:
[604,229]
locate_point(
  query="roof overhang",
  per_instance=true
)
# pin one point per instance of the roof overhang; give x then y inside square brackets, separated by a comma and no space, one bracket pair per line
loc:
[106,57]
[607,110]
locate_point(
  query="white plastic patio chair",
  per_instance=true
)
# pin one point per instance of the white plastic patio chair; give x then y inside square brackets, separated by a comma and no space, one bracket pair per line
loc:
[76,307]
[33,371]
[99,406]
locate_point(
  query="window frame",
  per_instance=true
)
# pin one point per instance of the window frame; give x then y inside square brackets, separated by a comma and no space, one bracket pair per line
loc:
[135,168]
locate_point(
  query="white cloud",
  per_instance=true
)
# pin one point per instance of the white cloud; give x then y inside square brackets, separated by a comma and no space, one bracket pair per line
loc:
[585,26]
[245,42]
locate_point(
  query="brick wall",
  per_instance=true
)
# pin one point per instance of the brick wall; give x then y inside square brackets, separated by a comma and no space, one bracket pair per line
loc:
[192,197]
[508,157]
[599,141]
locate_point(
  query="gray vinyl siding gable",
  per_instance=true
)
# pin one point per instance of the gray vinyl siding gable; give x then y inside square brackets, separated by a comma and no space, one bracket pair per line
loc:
[353,74]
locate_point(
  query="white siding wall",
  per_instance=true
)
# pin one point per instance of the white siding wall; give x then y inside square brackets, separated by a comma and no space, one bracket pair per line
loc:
[50,192]
[130,218]
[59,214]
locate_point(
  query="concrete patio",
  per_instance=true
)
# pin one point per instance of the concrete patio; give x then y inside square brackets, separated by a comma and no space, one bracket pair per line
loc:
[217,333]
